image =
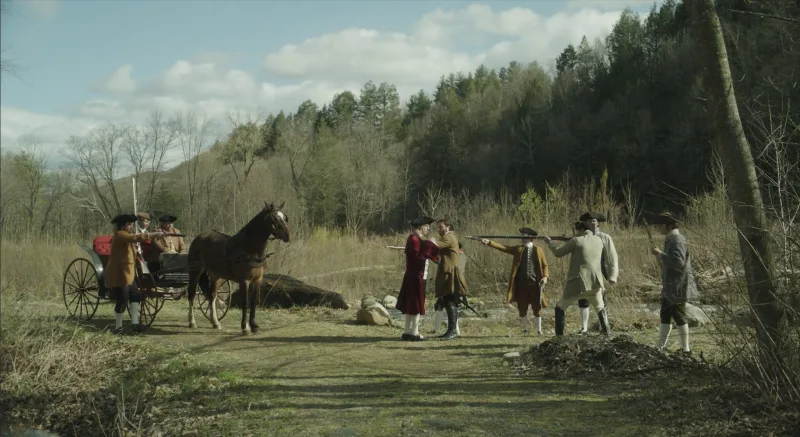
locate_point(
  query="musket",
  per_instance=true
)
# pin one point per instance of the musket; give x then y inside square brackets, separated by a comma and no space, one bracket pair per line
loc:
[396,247]
[466,304]
[516,237]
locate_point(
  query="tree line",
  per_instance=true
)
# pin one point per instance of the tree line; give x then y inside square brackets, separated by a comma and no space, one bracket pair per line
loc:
[629,108]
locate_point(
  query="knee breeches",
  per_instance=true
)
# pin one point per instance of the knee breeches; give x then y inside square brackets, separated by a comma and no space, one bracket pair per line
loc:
[594,298]
[529,296]
[126,294]
[673,311]
[583,303]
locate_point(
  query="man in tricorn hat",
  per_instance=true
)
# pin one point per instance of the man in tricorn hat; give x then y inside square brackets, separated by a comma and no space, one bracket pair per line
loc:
[529,273]
[678,281]
[584,277]
[609,263]
[411,300]
[169,244]
[120,273]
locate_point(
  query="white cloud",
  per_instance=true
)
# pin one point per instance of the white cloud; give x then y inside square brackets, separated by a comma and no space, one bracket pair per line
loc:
[441,42]
[44,9]
[120,81]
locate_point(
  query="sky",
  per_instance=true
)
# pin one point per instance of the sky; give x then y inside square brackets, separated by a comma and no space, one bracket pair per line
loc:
[87,62]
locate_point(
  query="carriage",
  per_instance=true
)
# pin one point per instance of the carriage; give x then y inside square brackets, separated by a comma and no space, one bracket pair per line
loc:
[84,286]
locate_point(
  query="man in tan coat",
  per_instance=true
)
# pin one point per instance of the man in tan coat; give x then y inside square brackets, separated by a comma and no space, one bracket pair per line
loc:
[584,278]
[120,271]
[449,283]
[529,273]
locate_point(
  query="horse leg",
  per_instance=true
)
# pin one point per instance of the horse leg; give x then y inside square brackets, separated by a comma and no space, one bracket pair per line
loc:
[255,287]
[245,293]
[213,303]
[194,276]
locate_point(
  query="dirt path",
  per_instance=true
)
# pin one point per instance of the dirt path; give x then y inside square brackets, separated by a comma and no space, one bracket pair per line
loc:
[315,373]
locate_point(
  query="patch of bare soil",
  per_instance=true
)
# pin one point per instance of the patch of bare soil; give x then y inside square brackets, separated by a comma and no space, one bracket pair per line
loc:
[569,356]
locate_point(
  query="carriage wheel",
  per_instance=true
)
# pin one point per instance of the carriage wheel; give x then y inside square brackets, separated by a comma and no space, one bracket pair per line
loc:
[152,300]
[81,289]
[223,301]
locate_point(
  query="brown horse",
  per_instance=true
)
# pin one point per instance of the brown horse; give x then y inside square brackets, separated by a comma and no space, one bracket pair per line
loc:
[239,258]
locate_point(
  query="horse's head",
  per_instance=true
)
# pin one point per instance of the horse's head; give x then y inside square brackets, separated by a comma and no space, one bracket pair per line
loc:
[279,221]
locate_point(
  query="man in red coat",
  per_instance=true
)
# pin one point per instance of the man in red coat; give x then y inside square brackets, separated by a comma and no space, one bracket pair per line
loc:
[411,300]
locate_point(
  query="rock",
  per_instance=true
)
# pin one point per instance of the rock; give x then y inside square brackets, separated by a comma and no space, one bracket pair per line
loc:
[374,315]
[368,302]
[696,316]
[511,355]
[389,301]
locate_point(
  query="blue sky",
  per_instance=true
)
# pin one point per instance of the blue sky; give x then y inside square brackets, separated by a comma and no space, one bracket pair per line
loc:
[87,62]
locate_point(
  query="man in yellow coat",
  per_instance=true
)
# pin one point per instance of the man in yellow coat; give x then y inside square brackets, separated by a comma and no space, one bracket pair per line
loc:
[120,271]
[529,273]
[449,283]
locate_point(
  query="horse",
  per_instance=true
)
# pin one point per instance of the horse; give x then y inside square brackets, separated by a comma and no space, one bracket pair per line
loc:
[239,258]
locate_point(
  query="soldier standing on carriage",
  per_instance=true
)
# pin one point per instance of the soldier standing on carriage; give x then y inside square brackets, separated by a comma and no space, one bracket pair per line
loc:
[678,281]
[120,272]
[411,300]
[529,273]
[450,283]
[584,277]
[609,263]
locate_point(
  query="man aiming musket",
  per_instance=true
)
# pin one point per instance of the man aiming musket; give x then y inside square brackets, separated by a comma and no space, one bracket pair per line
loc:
[529,273]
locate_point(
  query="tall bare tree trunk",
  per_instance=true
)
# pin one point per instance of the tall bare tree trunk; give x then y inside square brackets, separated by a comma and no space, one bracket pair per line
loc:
[743,188]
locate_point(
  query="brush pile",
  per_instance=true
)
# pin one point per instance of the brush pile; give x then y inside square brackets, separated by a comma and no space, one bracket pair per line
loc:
[621,355]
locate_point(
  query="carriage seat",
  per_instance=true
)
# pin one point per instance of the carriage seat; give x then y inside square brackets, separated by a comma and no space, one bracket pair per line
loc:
[174,271]
[102,245]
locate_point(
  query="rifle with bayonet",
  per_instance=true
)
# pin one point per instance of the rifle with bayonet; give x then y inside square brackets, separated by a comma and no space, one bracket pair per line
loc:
[515,237]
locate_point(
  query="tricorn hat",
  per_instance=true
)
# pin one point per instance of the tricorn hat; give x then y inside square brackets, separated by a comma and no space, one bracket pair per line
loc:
[664,218]
[143,215]
[592,215]
[123,219]
[528,231]
[166,218]
[580,226]
[419,221]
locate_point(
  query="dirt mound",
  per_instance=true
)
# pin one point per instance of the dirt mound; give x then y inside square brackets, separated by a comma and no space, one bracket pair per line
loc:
[620,355]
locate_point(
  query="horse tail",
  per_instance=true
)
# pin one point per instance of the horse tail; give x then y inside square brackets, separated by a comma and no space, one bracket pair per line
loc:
[205,283]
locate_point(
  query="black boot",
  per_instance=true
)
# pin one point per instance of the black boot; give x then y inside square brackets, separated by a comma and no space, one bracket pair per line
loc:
[452,318]
[561,319]
[602,316]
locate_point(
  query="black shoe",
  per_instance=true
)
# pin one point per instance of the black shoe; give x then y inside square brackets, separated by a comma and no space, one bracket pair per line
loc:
[138,328]
[117,331]
[416,338]
[405,337]
[561,319]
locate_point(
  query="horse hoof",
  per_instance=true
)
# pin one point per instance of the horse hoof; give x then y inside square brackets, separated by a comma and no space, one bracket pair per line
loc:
[192,325]
[217,326]
[255,330]
[245,332]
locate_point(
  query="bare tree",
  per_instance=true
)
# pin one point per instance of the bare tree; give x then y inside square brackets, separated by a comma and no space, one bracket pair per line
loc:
[6,66]
[194,137]
[57,185]
[29,166]
[147,148]
[743,187]
[296,140]
[97,160]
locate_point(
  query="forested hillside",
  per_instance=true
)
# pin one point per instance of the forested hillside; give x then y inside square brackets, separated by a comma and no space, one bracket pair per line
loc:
[630,105]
